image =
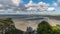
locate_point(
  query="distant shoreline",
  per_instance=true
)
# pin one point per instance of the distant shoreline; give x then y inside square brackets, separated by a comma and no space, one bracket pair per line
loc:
[29,16]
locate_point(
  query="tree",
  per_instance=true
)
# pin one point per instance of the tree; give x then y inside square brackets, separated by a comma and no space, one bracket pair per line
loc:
[44,28]
[7,27]
[55,30]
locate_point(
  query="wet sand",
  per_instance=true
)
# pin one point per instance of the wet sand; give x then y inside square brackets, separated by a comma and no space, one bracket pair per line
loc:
[23,24]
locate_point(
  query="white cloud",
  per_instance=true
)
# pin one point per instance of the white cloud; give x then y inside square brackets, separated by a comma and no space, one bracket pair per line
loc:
[16,2]
[41,6]
[10,4]
[32,9]
[31,6]
[22,6]
[1,5]
[51,9]
[55,4]
[18,5]
[6,3]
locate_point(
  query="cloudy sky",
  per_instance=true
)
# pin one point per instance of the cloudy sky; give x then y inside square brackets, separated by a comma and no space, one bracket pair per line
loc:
[47,7]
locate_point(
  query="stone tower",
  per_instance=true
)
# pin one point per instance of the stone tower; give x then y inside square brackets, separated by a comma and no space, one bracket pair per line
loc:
[30,30]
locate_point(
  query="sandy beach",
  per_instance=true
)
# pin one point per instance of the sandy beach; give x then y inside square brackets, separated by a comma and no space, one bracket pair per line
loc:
[23,24]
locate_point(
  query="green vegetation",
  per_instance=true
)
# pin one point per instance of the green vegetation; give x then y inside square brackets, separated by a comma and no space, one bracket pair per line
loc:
[7,26]
[56,30]
[45,28]
[15,31]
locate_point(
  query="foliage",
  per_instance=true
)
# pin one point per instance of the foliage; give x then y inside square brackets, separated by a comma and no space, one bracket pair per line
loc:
[5,23]
[44,28]
[15,31]
[56,30]
[8,25]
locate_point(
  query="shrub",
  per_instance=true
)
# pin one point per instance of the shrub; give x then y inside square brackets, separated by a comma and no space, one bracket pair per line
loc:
[55,30]
[44,28]
[7,26]
[14,31]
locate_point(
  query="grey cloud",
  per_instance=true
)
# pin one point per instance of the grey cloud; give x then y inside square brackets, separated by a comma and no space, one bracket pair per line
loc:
[58,2]
[31,6]
[7,4]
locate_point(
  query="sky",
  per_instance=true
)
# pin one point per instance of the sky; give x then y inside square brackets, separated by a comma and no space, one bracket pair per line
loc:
[46,7]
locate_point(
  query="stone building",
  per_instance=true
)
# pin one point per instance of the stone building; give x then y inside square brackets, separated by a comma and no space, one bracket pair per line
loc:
[30,31]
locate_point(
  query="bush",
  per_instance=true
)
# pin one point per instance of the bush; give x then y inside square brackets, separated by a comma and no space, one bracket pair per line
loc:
[14,31]
[55,30]
[44,28]
[8,26]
